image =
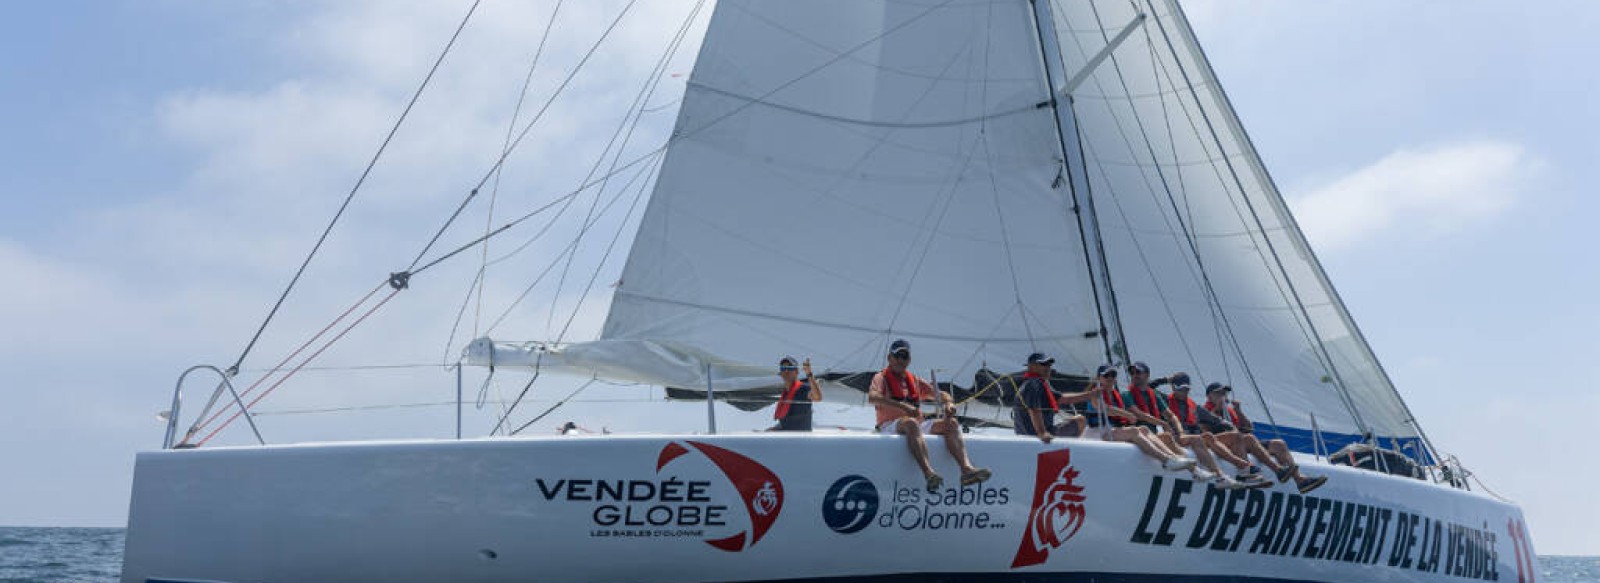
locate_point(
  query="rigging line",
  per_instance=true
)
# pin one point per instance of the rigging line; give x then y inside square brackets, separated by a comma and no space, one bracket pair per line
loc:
[461,312]
[625,131]
[552,408]
[351,196]
[495,168]
[570,248]
[533,213]
[1215,136]
[1107,306]
[307,360]
[1266,264]
[509,409]
[198,424]
[944,123]
[494,192]
[1089,153]
[1296,235]
[1278,279]
[1204,278]
[1217,320]
[1155,281]
[686,133]
[622,226]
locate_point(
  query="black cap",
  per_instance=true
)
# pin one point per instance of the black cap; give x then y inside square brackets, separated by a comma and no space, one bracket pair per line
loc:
[1178,378]
[1041,358]
[1139,366]
[1214,387]
[1105,368]
[788,361]
[900,345]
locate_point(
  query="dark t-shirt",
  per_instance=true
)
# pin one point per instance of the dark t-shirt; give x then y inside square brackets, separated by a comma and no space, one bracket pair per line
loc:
[1031,395]
[799,417]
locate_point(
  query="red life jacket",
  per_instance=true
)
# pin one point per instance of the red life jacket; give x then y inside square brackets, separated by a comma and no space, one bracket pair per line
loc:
[1149,403]
[1048,394]
[1113,398]
[1185,410]
[788,399]
[1233,414]
[902,388]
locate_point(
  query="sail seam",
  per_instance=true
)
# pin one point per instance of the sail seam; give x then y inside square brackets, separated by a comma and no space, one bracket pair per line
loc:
[864,122]
[826,324]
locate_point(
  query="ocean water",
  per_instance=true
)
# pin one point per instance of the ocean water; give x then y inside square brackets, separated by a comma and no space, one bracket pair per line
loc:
[94,555]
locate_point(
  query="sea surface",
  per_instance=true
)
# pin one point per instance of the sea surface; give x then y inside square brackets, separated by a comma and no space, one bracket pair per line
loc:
[94,555]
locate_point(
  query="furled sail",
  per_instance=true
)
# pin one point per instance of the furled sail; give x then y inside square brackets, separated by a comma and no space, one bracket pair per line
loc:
[985,179]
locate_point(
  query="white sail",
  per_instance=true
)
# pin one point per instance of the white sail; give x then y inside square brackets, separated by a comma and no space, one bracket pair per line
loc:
[1210,271]
[848,172]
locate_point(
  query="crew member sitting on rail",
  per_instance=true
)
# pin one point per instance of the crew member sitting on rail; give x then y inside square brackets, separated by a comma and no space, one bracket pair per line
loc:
[1219,405]
[1037,403]
[1197,421]
[1150,406]
[897,393]
[794,407]
[1120,423]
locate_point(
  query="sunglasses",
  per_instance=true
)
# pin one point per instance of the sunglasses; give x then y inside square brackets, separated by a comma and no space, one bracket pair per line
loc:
[902,355]
[788,368]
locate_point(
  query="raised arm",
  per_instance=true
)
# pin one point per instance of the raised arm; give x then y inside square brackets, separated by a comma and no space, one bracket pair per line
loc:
[816,390]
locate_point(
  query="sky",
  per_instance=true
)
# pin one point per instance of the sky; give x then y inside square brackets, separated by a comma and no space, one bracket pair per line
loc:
[168,165]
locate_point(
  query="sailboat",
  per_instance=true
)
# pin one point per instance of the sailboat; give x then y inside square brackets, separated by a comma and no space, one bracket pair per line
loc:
[984,179]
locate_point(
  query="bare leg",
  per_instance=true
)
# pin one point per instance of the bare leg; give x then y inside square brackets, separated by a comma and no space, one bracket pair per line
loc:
[1280,450]
[1143,442]
[1201,452]
[1249,443]
[1171,450]
[951,431]
[1222,445]
[919,449]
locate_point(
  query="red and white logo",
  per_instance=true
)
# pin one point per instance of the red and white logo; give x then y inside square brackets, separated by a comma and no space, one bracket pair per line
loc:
[1524,550]
[1057,511]
[760,489]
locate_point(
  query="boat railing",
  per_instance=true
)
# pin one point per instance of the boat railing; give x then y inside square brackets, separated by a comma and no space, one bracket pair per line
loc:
[177,403]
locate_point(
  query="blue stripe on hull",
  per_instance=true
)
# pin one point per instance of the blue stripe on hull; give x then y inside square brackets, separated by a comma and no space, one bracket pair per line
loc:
[1301,440]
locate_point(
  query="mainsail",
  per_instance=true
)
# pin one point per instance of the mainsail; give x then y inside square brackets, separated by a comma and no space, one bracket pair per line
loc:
[985,179]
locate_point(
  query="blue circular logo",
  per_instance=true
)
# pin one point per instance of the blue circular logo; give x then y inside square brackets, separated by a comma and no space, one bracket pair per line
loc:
[850,504]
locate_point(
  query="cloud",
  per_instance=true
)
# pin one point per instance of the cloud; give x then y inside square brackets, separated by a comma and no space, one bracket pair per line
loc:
[1437,190]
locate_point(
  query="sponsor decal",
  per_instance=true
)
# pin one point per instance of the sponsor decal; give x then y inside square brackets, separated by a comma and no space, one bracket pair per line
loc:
[1523,548]
[671,507]
[850,504]
[1057,512]
[1311,527]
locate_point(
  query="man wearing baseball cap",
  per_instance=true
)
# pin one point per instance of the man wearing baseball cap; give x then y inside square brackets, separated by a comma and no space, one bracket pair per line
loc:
[896,393]
[1037,403]
[1239,434]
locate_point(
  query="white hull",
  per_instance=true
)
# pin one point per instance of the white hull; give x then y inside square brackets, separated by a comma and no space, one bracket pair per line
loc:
[763,507]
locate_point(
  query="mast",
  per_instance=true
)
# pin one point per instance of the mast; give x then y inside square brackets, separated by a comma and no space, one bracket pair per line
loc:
[1072,159]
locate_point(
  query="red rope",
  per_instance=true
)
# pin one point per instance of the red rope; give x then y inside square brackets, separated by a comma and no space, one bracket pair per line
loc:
[274,370]
[297,367]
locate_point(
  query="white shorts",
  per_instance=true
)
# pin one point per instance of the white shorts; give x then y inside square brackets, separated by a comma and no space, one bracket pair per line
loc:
[888,427]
